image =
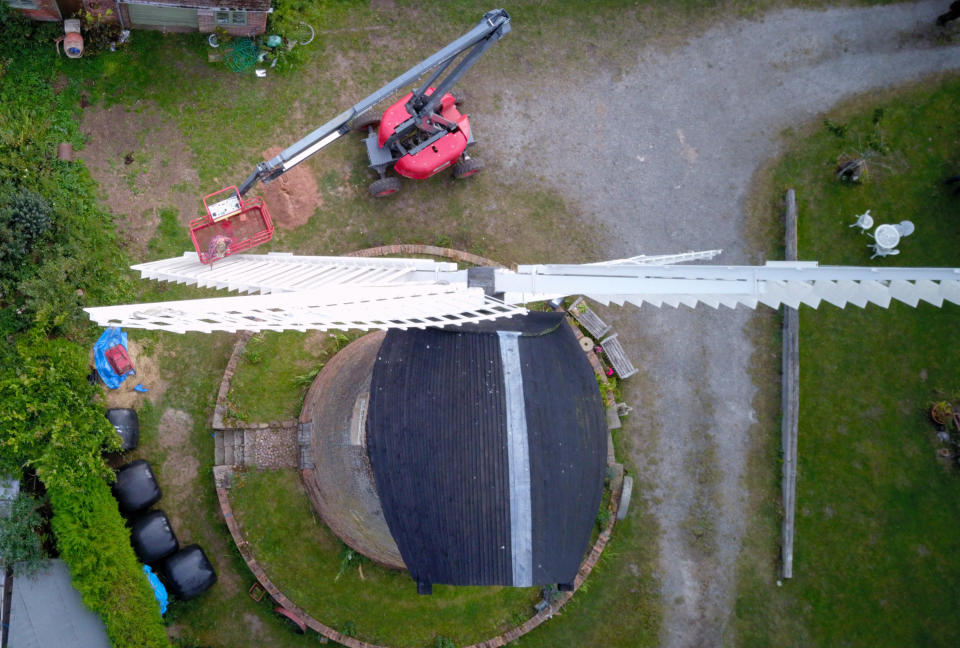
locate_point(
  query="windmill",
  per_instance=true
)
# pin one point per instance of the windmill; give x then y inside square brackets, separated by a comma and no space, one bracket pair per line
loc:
[424,302]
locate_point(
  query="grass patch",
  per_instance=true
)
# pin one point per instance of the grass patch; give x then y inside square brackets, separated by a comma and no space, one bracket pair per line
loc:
[307,562]
[224,616]
[228,120]
[275,371]
[619,604]
[876,514]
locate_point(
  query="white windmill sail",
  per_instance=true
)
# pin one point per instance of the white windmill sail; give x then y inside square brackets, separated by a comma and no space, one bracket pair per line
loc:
[342,308]
[284,272]
[323,293]
[778,282]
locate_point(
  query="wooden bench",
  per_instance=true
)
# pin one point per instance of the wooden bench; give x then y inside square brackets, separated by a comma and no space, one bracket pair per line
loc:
[587,318]
[618,357]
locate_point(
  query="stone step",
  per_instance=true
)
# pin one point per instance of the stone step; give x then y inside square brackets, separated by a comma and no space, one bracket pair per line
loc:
[218,448]
[238,447]
[248,445]
[228,448]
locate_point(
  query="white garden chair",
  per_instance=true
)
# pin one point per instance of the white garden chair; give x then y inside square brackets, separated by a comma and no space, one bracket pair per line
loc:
[864,221]
[880,251]
[905,228]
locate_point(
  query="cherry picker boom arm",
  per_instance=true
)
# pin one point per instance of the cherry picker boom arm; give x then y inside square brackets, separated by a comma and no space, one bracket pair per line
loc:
[491,28]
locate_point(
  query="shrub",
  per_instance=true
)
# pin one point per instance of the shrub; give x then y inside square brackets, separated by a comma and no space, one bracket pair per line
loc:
[95,543]
[21,536]
[50,422]
[24,220]
[51,220]
[444,642]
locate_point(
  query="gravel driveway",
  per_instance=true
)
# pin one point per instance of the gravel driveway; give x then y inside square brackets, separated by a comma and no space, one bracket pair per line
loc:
[665,164]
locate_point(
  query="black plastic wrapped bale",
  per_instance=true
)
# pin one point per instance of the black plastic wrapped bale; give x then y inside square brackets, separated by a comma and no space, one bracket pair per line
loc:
[188,573]
[127,425]
[152,537]
[136,487]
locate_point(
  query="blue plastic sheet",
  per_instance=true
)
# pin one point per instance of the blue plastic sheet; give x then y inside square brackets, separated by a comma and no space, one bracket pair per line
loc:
[111,337]
[141,388]
[158,589]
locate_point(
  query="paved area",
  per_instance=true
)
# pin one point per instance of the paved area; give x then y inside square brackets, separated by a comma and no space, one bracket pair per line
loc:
[664,163]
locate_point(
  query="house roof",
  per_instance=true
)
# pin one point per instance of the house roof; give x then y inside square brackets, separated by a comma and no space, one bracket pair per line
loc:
[488,447]
[47,611]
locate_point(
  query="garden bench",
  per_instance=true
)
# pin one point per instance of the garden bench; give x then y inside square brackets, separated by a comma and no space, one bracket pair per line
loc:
[618,357]
[587,318]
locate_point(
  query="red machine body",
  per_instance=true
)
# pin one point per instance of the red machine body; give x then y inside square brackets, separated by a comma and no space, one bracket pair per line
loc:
[436,157]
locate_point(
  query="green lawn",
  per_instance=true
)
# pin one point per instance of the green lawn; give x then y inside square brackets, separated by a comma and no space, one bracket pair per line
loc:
[227,120]
[306,561]
[876,535]
[275,371]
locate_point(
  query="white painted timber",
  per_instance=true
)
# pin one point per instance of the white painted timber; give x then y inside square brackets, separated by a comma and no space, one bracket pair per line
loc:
[789,283]
[362,293]
[363,308]
[663,259]
[284,272]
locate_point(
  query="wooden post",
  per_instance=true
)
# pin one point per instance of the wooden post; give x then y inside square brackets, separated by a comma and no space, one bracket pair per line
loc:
[791,396]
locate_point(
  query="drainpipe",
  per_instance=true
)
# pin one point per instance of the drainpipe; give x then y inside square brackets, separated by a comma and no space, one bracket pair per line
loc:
[116,7]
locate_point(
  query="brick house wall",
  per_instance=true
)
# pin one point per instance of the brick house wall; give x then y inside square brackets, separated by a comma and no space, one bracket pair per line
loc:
[106,9]
[47,11]
[256,23]
[256,11]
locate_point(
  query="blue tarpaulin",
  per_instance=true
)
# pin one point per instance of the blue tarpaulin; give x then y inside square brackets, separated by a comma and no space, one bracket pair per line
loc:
[110,338]
[158,589]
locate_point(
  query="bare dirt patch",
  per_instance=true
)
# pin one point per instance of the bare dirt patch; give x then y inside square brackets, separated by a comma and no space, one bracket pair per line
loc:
[147,374]
[181,481]
[179,470]
[293,197]
[315,341]
[254,624]
[141,161]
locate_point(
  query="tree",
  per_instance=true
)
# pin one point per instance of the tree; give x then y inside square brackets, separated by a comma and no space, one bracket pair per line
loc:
[21,536]
[24,220]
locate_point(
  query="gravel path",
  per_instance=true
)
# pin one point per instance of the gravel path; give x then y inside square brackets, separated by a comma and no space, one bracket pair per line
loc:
[664,162]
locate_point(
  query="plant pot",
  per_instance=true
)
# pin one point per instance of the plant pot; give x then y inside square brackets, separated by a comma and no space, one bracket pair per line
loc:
[941,413]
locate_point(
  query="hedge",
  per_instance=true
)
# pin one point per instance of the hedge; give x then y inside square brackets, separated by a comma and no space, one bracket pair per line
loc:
[48,415]
[51,423]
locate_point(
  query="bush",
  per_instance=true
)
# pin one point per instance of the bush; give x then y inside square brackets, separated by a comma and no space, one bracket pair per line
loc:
[24,220]
[51,423]
[94,541]
[66,254]
[21,536]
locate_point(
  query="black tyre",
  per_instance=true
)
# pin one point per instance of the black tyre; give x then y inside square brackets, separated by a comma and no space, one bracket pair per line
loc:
[384,187]
[467,168]
[366,120]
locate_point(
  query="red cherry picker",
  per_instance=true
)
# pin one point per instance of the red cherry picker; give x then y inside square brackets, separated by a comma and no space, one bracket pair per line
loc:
[418,136]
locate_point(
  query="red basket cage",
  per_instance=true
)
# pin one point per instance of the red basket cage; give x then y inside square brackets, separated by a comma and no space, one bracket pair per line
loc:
[231,225]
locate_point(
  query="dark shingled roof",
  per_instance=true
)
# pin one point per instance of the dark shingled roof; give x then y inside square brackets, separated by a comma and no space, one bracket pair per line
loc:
[437,438]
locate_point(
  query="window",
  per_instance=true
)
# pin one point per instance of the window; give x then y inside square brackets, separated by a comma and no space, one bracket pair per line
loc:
[226,18]
[22,4]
